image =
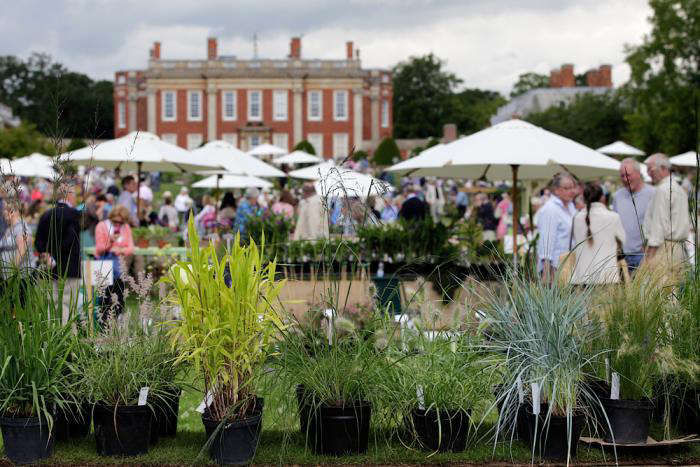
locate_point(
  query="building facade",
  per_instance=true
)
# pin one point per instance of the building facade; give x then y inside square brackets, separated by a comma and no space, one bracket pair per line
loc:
[334,104]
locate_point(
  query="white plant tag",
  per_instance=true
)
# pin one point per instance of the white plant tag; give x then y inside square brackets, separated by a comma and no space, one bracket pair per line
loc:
[535,398]
[607,370]
[521,391]
[328,313]
[420,396]
[615,386]
[143,395]
[206,402]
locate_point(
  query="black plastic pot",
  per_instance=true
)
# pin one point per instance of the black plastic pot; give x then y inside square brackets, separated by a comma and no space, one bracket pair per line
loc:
[629,420]
[551,441]
[235,442]
[26,440]
[442,431]
[79,423]
[166,410]
[339,431]
[124,432]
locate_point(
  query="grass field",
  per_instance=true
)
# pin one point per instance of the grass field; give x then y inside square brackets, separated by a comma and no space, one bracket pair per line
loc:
[281,443]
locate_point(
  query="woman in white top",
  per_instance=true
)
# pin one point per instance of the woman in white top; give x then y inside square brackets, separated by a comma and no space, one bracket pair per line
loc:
[595,237]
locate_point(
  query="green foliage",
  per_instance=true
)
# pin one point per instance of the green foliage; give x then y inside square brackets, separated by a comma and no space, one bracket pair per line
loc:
[59,102]
[158,233]
[422,96]
[305,146]
[140,233]
[472,110]
[34,347]
[528,81]
[664,87]
[273,229]
[228,320]
[22,141]
[591,119]
[387,152]
[75,144]
[359,155]
[112,368]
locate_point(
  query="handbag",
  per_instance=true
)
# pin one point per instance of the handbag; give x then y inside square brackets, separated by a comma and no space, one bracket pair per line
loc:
[116,267]
[567,260]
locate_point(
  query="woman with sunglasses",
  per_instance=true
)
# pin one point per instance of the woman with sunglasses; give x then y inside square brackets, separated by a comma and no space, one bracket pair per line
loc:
[113,241]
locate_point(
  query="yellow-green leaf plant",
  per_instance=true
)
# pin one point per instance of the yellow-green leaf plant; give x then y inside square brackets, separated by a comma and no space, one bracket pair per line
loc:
[228,318]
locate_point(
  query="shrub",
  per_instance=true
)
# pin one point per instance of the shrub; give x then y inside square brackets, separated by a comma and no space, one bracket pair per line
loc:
[305,146]
[387,152]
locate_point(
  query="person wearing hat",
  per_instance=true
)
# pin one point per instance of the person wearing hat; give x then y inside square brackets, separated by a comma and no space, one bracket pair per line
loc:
[246,208]
[168,215]
[414,208]
[183,203]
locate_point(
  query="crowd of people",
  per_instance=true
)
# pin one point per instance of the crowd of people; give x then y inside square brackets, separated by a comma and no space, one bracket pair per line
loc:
[587,226]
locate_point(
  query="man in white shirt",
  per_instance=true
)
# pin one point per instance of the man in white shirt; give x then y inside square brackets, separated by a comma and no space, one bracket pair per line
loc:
[183,203]
[631,203]
[312,223]
[667,220]
[554,221]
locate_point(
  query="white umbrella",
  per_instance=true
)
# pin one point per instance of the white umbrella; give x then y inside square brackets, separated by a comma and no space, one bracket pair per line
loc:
[232,181]
[297,157]
[687,159]
[620,148]
[516,149]
[139,150]
[314,172]
[33,165]
[266,150]
[233,160]
[426,158]
[345,183]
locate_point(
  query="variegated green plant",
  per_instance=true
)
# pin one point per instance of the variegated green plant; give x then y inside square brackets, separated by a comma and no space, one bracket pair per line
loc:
[228,319]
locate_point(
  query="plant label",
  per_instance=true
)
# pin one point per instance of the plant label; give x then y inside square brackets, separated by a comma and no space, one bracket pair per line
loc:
[615,386]
[521,391]
[143,395]
[206,402]
[607,370]
[535,398]
[421,397]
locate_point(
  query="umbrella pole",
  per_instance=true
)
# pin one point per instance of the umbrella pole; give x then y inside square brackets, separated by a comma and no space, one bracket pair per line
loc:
[516,214]
[216,197]
[138,191]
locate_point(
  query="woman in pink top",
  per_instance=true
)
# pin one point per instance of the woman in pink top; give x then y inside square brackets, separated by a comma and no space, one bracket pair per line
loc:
[113,241]
[285,205]
[504,213]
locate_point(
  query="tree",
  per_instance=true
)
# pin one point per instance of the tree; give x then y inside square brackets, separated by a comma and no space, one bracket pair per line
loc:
[591,119]
[359,155]
[664,86]
[387,152]
[422,96]
[75,144]
[472,109]
[22,141]
[305,146]
[527,81]
[59,102]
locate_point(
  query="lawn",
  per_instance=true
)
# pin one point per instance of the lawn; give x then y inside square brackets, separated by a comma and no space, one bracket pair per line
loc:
[281,442]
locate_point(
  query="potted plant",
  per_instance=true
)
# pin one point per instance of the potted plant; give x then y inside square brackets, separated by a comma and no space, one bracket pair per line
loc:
[228,319]
[141,235]
[114,369]
[336,383]
[538,335]
[34,347]
[636,317]
[159,235]
[438,387]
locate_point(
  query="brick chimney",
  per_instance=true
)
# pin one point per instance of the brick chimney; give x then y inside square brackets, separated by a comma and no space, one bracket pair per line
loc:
[348,50]
[295,48]
[567,76]
[592,78]
[555,79]
[605,76]
[155,51]
[449,132]
[211,49]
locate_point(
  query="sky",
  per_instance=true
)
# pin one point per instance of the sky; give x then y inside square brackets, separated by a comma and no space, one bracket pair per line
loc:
[487,43]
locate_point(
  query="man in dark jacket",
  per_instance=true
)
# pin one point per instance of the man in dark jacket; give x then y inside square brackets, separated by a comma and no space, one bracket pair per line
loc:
[414,208]
[58,241]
